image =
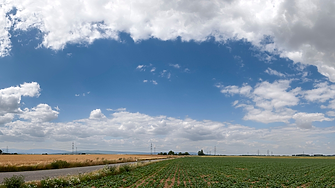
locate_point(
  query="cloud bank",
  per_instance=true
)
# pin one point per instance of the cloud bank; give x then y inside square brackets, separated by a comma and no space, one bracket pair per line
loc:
[300,30]
[274,102]
[124,130]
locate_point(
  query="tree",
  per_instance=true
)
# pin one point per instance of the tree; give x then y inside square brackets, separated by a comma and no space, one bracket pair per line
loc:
[0,151]
[171,152]
[186,153]
[201,152]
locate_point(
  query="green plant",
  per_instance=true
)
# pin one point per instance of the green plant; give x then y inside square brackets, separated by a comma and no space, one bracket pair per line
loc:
[60,164]
[14,181]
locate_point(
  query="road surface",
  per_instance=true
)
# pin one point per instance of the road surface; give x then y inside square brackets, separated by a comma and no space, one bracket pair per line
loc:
[42,174]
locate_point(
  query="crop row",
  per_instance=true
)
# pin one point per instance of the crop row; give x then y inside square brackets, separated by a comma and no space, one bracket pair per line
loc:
[226,172]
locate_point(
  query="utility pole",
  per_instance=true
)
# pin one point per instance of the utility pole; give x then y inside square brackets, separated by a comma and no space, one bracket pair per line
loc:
[72,148]
[151,148]
[214,150]
[268,152]
[258,152]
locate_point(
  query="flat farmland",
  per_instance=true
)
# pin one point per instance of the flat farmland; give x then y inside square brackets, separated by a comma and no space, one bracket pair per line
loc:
[28,160]
[226,172]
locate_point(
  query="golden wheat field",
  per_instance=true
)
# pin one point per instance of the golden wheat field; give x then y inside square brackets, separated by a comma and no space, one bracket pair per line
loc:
[25,160]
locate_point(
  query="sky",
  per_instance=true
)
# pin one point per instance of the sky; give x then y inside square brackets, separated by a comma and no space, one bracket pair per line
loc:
[238,75]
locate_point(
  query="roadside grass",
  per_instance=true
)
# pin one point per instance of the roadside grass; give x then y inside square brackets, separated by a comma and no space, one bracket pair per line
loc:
[58,164]
[72,180]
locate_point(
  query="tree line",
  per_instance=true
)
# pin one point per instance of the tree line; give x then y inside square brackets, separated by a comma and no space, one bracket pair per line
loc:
[173,153]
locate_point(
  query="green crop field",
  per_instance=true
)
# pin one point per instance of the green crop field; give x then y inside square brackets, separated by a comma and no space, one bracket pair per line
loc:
[227,172]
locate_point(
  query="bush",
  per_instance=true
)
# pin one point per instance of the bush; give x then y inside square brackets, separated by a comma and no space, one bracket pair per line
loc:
[60,164]
[14,182]
[125,168]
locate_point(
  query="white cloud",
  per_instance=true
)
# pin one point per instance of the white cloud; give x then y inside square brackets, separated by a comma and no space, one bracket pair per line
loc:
[153,69]
[57,108]
[322,92]
[145,81]
[154,82]
[135,131]
[275,95]
[175,65]
[117,110]
[97,114]
[271,102]
[10,102]
[331,113]
[77,95]
[40,113]
[141,67]
[232,90]
[10,97]
[274,72]
[6,118]
[304,120]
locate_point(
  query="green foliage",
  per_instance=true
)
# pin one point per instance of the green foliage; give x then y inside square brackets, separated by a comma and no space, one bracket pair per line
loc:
[60,164]
[201,152]
[171,152]
[225,172]
[14,181]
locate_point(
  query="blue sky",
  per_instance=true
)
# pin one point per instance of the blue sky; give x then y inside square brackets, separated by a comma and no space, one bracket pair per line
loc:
[183,78]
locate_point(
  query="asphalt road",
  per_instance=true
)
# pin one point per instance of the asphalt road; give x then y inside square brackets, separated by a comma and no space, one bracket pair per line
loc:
[42,174]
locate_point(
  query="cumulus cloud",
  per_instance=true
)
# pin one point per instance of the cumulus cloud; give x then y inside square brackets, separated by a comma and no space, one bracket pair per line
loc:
[232,90]
[10,102]
[304,120]
[322,92]
[135,131]
[271,102]
[299,30]
[10,98]
[40,113]
[97,114]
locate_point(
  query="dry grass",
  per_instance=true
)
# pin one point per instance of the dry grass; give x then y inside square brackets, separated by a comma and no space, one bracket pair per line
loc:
[24,160]
[14,163]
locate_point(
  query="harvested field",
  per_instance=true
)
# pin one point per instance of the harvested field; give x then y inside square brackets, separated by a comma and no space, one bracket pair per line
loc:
[28,160]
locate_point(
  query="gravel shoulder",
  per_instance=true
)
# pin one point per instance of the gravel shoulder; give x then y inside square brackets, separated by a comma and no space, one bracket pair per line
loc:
[42,174]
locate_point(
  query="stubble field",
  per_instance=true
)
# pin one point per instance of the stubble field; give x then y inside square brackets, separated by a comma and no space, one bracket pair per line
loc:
[28,160]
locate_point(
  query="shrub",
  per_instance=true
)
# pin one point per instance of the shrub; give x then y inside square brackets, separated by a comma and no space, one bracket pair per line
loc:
[14,182]
[60,164]
[125,168]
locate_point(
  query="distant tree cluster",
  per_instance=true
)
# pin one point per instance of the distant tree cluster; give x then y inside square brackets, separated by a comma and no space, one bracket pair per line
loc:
[173,153]
[201,152]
